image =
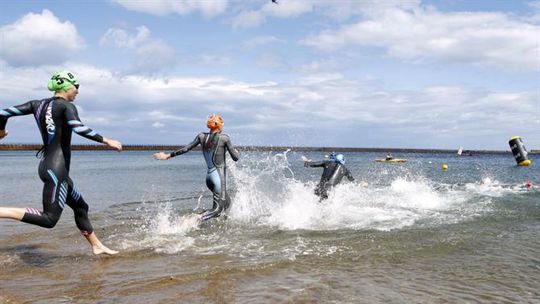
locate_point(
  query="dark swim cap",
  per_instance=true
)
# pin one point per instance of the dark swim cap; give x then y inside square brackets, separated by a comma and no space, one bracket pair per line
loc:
[63,81]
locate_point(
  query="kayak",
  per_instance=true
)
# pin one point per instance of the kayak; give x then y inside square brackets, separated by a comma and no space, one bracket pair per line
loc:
[394,160]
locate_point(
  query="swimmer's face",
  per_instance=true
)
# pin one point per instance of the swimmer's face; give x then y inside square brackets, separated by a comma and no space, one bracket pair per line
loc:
[71,94]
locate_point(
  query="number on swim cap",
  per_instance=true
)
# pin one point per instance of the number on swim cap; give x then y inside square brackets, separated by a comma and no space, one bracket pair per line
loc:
[63,81]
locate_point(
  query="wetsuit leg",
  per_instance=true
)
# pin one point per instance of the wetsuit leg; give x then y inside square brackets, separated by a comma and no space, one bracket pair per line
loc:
[323,194]
[54,198]
[80,209]
[227,202]
[322,191]
[224,196]
[213,182]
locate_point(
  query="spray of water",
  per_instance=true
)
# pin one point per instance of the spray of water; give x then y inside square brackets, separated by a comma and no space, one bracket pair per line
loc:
[268,193]
[163,230]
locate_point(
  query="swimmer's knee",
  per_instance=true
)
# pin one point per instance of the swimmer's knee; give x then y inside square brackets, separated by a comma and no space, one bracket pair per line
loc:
[50,221]
[83,205]
[48,225]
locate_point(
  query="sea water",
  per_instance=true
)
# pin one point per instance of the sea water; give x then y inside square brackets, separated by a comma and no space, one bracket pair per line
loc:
[400,233]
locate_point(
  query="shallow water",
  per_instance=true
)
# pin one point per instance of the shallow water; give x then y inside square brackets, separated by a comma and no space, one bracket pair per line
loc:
[400,233]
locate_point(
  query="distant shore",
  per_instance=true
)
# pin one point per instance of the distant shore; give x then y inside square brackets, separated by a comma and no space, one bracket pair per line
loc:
[36,147]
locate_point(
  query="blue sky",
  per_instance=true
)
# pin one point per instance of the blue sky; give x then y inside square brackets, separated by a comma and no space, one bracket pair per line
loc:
[407,73]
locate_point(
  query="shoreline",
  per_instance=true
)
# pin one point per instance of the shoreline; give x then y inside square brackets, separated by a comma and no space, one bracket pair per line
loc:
[91,147]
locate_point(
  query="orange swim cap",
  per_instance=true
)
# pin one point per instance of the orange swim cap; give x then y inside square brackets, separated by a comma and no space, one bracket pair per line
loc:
[214,122]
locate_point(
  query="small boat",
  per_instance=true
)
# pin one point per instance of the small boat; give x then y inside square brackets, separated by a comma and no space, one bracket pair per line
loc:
[393,160]
[460,151]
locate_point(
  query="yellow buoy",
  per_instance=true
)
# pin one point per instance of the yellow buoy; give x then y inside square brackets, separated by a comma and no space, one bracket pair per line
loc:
[519,151]
[525,163]
[445,167]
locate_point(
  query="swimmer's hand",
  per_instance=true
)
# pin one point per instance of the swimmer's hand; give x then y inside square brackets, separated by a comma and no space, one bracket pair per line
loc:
[304,158]
[161,156]
[3,133]
[115,144]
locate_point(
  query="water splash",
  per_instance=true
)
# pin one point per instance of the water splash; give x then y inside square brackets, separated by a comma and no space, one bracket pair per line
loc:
[269,193]
[163,230]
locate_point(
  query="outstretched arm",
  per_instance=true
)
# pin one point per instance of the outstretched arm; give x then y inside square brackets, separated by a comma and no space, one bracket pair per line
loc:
[309,163]
[185,149]
[73,120]
[23,109]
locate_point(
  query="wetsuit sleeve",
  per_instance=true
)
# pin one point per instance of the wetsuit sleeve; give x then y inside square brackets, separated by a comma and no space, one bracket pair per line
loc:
[24,109]
[349,175]
[73,120]
[232,151]
[187,148]
[314,164]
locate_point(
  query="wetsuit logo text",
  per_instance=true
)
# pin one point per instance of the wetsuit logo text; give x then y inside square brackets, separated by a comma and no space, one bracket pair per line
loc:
[49,120]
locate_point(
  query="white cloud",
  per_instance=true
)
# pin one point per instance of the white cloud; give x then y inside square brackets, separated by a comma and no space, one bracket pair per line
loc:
[535,6]
[319,66]
[184,7]
[427,34]
[34,40]
[248,19]
[177,107]
[260,41]
[122,39]
[343,10]
[286,9]
[338,10]
[157,125]
[155,56]
[152,54]
[213,59]
[270,61]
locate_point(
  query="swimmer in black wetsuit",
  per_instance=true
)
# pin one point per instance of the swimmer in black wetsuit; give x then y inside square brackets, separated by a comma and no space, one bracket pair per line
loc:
[334,171]
[56,118]
[214,145]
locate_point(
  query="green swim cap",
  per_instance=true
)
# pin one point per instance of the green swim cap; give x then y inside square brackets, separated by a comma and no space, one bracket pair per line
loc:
[63,81]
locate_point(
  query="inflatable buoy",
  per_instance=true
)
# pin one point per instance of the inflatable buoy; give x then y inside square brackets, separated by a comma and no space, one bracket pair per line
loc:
[445,167]
[519,151]
[393,160]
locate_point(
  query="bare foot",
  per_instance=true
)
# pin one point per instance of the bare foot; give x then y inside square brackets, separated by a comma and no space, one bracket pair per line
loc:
[103,250]
[97,246]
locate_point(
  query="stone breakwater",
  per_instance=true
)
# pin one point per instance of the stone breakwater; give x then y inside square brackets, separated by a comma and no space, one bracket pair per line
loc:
[36,147]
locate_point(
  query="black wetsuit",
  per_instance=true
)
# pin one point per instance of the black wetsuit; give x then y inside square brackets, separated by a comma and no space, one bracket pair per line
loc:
[214,146]
[332,175]
[56,118]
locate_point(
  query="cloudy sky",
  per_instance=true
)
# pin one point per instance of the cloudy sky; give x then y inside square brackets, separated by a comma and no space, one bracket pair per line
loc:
[365,73]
